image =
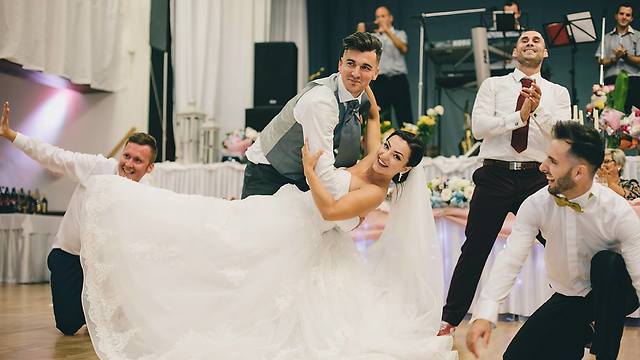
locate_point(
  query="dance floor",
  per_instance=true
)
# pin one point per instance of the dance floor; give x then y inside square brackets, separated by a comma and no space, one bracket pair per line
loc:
[27,331]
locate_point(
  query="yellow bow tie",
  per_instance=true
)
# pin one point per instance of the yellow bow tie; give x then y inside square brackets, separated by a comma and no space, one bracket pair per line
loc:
[562,201]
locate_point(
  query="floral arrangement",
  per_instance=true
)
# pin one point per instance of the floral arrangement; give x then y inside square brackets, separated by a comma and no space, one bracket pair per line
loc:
[237,142]
[422,129]
[450,191]
[621,130]
[606,111]
[600,97]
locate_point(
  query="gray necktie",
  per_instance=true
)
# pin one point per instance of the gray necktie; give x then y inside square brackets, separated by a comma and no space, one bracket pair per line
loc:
[347,136]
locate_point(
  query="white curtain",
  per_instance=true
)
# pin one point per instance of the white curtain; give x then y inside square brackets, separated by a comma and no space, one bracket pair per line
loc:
[213,52]
[289,23]
[83,41]
[213,57]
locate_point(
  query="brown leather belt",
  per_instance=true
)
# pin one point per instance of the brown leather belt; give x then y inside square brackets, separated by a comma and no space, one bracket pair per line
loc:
[512,165]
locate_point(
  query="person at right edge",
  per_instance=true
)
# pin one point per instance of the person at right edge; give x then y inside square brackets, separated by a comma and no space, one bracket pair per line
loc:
[513,115]
[622,53]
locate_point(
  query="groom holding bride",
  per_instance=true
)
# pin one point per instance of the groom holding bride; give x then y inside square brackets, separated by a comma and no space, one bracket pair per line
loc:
[325,113]
[174,276]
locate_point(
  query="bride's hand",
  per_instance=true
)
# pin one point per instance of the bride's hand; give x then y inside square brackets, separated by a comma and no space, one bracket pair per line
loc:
[309,160]
[374,112]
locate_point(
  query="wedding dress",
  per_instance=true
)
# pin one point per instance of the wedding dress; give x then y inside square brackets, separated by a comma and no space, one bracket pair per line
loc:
[172,276]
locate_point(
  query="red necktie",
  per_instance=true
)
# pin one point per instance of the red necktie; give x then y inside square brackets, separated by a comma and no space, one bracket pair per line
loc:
[519,136]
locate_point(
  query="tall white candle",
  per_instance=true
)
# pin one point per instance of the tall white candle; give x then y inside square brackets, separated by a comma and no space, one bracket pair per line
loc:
[574,112]
[602,51]
[596,120]
[580,117]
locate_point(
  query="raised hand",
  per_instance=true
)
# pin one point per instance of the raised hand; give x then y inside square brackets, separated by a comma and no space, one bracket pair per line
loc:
[374,111]
[5,129]
[481,329]
[532,96]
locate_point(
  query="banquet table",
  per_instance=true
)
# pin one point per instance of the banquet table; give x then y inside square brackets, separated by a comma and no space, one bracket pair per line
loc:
[25,241]
[225,179]
[531,288]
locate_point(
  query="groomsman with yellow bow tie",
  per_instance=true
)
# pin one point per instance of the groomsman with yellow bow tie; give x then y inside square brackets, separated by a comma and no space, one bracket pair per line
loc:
[592,258]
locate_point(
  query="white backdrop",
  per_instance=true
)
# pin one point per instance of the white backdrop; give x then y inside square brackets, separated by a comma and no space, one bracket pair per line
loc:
[84,41]
[214,52]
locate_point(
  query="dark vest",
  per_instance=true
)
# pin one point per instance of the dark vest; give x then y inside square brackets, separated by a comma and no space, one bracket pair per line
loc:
[282,139]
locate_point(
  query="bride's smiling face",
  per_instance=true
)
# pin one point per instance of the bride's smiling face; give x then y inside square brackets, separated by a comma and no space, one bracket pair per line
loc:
[393,157]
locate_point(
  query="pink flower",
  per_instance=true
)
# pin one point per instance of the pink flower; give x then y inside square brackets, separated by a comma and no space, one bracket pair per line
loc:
[612,118]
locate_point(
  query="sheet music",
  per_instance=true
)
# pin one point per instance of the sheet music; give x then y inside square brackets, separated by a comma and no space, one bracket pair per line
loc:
[581,27]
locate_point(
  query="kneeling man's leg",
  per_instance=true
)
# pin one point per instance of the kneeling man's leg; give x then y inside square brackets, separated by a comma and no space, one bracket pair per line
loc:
[557,330]
[66,290]
[613,297]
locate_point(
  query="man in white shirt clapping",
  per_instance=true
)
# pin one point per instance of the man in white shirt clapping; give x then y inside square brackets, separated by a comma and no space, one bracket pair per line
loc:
[513,115]
[67,277]
[592,258]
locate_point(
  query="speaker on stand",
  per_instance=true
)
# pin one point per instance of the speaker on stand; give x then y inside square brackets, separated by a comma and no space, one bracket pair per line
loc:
[274,81]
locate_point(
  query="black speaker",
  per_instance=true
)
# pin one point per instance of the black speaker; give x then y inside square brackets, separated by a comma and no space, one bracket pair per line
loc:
[258,117]
[275,73]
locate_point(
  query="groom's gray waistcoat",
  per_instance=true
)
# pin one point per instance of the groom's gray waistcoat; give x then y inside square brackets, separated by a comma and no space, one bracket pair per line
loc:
[281,141]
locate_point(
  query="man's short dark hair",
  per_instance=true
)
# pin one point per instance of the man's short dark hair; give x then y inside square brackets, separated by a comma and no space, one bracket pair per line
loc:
[386,7]
[585,143]
[511,3]
[364,42]
[625,4]
[142,138]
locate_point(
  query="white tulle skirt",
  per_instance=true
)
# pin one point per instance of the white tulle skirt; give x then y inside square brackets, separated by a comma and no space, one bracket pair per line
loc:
[170,276]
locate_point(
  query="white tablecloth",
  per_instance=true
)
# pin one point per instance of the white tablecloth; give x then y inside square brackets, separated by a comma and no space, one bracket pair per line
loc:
[225,179]
[25,242]
[219,179]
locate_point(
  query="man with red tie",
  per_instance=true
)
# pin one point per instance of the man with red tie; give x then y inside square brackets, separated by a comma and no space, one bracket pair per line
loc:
[513,115]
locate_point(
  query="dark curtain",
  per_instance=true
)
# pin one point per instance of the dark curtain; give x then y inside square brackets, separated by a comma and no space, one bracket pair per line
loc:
[160,41]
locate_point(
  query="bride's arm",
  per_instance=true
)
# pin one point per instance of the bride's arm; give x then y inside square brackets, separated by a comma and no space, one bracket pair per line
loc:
[355,203]
[372,139]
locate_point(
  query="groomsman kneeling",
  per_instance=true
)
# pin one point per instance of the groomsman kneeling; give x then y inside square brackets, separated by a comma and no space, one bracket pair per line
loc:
[67,277]
[592,258]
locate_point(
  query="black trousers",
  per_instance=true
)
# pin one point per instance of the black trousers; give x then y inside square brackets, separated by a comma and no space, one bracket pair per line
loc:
[498,192]
[263,179]
[560,328]
[66,290]
[393,91]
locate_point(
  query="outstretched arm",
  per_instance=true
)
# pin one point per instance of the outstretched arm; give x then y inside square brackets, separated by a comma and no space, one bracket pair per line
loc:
[5,130]
[354,203]
[372,139]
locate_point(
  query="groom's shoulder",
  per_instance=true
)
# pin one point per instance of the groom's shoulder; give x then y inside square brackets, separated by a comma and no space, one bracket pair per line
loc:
[319,95]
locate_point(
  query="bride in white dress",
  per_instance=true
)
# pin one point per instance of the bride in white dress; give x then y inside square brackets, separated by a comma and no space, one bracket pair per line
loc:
[172,276]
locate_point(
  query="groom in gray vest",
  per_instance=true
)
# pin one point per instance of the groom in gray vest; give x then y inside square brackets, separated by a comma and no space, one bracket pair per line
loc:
[326,113]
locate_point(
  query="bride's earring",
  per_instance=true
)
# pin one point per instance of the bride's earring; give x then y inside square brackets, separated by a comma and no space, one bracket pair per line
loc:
[399,177]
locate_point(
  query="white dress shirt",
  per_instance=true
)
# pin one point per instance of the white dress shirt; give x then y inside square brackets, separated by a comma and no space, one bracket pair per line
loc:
[318,113]
[494,117]
[78,167]
[607,223]
[392,60]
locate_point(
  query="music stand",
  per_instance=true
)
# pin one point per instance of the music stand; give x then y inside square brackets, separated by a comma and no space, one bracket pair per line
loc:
[577,28]
[504,21]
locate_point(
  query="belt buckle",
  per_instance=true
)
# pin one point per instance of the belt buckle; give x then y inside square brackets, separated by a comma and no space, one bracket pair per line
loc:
[515,165]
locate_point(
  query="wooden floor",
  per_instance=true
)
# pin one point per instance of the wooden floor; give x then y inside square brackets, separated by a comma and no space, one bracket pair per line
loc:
[27,331]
